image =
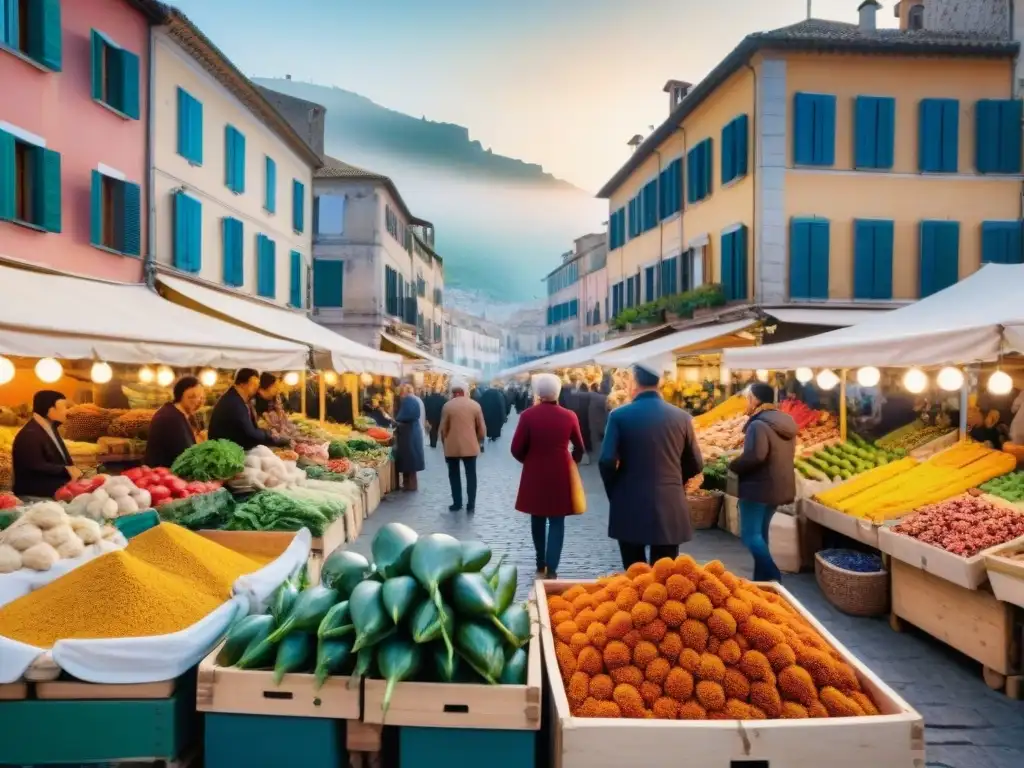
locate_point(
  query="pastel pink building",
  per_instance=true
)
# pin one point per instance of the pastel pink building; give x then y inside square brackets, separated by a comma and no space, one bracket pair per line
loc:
[73,134]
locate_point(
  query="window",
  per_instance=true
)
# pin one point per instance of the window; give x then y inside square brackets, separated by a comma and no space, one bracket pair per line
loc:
[270,180]
[329,213]
[693,268]
[234,159]
[814,129]
[734,149]
[115,215]
[33,29]
[328,283]
[298,206]
[618,299]
[915,18]
[617,229]
[190,127]
[234,247]
[649,202]
[808,258]
[650,286]
[437,334]
[699,172]
[391,286]
[872,259]
[296,283]
[670,277]
[188,233]
[940,256]
[874,130]
[734,264]
[938,135]
[631,297]
[30,190]
[115,76]
[266,267]
[1001,242]
[998,136]
[438,296]
[635,223]
[670,189]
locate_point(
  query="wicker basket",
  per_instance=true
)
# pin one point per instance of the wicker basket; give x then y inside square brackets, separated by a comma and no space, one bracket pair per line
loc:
[853,593]
[704,509]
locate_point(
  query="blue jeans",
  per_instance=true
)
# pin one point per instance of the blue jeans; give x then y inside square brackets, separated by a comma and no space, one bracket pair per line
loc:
[549,553]
[755,519]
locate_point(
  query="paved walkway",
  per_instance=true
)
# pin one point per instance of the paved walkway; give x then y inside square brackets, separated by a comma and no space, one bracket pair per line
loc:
[968,725]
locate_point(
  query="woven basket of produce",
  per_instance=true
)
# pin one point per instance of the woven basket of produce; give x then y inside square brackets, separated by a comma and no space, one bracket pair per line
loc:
[87,423]
[854,582]
[704,508]
[132,424]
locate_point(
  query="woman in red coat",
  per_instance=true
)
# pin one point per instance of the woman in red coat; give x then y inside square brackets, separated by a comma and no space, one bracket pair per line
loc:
[541,445]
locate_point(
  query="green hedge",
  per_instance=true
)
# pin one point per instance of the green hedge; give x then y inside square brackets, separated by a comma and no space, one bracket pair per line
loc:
[682,304]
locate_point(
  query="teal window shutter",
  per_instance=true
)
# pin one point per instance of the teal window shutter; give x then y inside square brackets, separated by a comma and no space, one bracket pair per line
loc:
[649,285]
[1011,114]
[188,233]
[998,136]
[814,129]
[190,127]
[819,258]
[96,210]
[939,255]
[295,279]
[128,87]
[45,43]
[298,205]
[47,190]
[728,153]
[727,261]
[691,176]
[1001,242]
[808,258]
[234,160]
[709,165]
[266,267]
[239,162]
[131,219]
[8,177]
[875,127]
[234,244]
[98,43]
[271,173]
[938,135]
[741,145]
[872,259]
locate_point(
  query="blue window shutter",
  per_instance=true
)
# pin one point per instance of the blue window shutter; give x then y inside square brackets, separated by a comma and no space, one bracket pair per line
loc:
[662,194]
[863,259]
[728,152]
[800,259]
[96,209]
[820,256]
[950,135]
[47,189]
[739,270]
[649,284]
[8,177]
[940,256]
[182,258]
[986,139]
[239,162]
[184,135]
[128,87]
[866,134]
[298,205]
[328,283]
[271,201]
[44,33]
[131,220]
[229,157]
[825,129]
[1001,242]
[227,232]
[929,136]
[741,134]
[803,129]
[709,166]
[1011,114]
[97,68]
[295,279]
[886,132]
[884,240]
[728,264]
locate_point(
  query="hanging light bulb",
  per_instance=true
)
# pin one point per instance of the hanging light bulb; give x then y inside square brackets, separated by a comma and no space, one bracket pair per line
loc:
[868,376]
[1000,383]
[950,379]
[827,379]
[915,381]
[6,370]
[365,379]
[762,375]
[291,378]
[804,375]
[49,370]
[146,375]
[331,378]
[101,373]
[164,376]
[208,377]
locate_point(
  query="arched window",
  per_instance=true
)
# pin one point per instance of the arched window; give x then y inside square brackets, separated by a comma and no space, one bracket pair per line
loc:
[915,19]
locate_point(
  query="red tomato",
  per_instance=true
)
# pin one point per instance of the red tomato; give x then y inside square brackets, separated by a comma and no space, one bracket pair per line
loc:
[159,493]
[185,494]
[96,482]
[64,494]
[134,473]
[175,484]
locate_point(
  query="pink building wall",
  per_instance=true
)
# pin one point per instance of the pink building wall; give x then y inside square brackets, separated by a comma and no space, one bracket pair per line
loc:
[58,107]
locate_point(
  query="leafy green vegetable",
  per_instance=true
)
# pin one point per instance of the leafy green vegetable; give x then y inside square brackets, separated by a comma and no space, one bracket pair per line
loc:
[338,449]
[212,460]
[275,511]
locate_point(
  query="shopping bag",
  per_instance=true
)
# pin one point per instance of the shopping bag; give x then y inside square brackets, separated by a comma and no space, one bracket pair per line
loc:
[579,496]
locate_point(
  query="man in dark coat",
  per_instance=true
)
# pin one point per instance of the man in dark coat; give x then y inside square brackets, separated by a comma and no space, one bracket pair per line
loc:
[597,417]
[650,451]
[409,459]
[233,417]
[434,404]
[40,460]
[493,403]
[765,472]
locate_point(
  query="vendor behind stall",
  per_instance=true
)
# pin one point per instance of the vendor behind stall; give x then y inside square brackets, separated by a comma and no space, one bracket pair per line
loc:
[266,398]
[372,410]
[40,459]
[234,418]
[171,432]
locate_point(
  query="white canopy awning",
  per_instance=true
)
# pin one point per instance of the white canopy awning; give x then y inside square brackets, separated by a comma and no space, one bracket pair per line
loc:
[430,362]
[833,318]
[962,324]
[46,314]
[669,346]
[343,355]
[576,357]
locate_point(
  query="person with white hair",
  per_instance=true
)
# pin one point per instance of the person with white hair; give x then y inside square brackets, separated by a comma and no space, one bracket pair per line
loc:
[461,430]
[541,444]
[650,451]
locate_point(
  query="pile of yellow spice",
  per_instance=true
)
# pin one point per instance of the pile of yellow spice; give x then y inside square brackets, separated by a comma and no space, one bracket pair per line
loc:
[166,580]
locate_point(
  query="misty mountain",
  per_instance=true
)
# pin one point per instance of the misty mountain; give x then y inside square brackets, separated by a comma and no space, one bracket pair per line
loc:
[501,222]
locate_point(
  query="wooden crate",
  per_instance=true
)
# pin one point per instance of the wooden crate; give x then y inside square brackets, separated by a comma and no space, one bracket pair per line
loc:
[252,692]
[459,705]
[729,517]
[1006,574]
[76,690]
[856,528]
[372,496]
[973,622]
[894,739]
[13,691]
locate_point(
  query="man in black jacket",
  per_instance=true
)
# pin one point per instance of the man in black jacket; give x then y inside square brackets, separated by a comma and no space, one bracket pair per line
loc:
[40,459]
[233,417]
[434,404]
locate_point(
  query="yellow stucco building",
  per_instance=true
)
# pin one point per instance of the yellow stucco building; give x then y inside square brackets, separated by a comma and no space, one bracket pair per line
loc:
[825,162]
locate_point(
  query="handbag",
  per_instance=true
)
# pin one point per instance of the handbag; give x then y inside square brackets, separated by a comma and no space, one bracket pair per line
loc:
[579,496]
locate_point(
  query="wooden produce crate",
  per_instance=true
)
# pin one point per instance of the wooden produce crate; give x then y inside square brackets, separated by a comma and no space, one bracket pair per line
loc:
[973,622]
[13,691]
[894,739]
[460,705]
[252,692]
[729,517]
[372,496]
[1006,574]
[858,529]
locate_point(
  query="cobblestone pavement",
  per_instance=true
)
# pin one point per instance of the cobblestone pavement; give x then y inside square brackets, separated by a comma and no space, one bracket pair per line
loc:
[967,725]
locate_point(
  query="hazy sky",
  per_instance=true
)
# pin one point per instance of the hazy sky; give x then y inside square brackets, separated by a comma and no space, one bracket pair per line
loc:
[563,83]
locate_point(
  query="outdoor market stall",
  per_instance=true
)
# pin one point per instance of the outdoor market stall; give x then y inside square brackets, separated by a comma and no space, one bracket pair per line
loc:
[420,361]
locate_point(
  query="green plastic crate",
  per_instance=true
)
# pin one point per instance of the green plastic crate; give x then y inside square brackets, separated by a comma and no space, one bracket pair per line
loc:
[264,741]
[445,747]
[140,522]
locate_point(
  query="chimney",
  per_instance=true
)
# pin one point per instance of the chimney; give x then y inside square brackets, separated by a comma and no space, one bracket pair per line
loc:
[868,13]
[636,141]
[677,90]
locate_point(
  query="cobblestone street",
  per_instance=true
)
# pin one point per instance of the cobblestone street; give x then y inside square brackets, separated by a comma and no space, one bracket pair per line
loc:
[967,725]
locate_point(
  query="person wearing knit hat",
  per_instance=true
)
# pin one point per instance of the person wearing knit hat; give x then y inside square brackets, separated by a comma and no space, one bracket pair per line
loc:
[39,458]
[649,452]
[765,472]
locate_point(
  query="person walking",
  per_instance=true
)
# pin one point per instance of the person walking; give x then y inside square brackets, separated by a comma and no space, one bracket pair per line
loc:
[765,472]
[541,442]
[493,403]
[650,451]
[434,404]
[409,459]
[597,417]
[462,430]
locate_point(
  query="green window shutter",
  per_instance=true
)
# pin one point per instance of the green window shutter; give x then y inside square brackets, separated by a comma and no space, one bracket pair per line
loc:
[271,199]
[239,162]
[8,177]
[98,44]
[234,272]
[131,220]
[329,283]
[295,275]
[190,127]
[298,205]
[44,33]
[47,188]
[96,210]
[128,84]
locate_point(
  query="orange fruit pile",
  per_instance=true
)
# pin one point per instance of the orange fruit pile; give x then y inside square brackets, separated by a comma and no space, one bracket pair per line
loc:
[682,641]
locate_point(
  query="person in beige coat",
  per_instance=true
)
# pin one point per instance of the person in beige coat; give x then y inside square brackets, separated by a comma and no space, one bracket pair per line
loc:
[462,432]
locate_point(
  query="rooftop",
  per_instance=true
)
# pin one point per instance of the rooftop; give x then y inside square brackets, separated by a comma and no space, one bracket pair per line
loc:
[333,168]
[815,35]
